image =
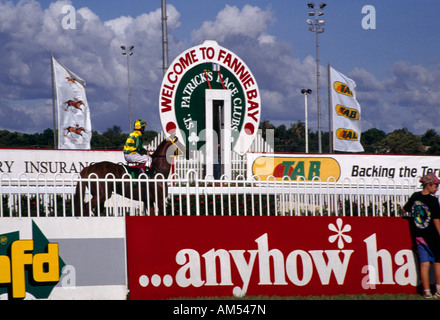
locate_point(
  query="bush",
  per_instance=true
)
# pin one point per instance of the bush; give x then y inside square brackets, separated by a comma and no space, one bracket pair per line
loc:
[29,208]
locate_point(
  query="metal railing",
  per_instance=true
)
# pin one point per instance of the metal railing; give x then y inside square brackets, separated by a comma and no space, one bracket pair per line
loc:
[42,197]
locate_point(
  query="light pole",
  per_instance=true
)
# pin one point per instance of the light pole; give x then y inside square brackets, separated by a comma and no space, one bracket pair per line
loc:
[306,92]
[128,52]
[317,29]
[164,37]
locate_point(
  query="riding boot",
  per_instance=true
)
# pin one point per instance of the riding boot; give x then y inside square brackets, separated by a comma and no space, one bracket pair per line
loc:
[150,172]
[144,169]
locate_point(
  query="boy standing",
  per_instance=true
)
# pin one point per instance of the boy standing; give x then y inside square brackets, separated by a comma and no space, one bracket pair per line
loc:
[424,211]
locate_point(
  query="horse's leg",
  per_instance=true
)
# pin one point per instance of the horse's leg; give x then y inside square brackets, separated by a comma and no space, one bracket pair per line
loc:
[85,212]
[162,195]
[151,200]
[159,204]
[93,204]
[159,200]
[101,197]
[97,204]
[152,208]
[79,200]
[102,208]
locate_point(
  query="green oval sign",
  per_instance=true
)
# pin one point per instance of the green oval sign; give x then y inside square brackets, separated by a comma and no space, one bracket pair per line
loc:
[182,95]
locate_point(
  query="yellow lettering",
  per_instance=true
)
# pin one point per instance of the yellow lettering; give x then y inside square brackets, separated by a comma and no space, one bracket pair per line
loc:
[49,261]
[5,269]
[19,260]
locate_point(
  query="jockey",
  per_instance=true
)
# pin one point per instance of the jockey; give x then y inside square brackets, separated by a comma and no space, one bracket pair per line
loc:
[134,150]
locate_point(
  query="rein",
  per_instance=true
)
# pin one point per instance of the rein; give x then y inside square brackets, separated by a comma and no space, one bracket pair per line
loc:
[154,155]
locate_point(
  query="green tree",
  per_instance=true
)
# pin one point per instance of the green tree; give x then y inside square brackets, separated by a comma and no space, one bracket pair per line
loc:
[286,140]
[296,134]
[401,141]
[431,141]
[281,139]
[371,138]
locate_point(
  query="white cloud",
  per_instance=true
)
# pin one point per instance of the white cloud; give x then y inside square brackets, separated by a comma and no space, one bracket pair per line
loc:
[92,50]
[250,22]
[408,97]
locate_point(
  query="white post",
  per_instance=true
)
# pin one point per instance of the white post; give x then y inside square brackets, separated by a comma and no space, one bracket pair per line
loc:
[213,142]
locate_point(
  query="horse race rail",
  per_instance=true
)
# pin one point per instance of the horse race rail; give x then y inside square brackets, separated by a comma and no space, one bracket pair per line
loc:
[42,197]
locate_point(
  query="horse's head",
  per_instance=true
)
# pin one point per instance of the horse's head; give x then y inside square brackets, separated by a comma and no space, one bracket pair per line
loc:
[163,156]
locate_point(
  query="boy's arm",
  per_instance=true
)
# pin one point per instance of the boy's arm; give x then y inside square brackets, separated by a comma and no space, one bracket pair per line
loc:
[407,206]
[437,224]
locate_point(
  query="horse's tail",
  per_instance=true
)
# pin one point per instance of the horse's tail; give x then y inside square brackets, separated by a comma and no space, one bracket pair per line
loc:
[80,191]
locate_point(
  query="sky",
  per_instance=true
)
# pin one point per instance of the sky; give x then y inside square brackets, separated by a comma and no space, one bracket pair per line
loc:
[396,64]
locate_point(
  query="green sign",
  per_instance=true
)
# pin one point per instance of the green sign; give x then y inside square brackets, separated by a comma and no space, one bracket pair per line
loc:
[182,95]
[28,266]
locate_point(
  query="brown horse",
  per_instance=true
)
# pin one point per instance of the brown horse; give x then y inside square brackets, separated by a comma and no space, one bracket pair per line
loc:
[76,130]
[100,191]
[74,103]
[71,79]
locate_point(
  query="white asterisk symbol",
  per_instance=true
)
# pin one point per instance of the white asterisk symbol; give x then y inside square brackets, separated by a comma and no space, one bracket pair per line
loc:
[340,236]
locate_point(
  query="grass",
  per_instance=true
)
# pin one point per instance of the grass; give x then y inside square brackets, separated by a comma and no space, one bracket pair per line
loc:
[351,297]
[397,297]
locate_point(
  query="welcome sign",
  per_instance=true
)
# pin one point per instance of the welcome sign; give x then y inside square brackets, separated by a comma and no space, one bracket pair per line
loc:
[183,91]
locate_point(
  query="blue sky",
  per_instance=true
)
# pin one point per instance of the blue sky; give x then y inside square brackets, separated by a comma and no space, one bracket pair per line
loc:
[396,66]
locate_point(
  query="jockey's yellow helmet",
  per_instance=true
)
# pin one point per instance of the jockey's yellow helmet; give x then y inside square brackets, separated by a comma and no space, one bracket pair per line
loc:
[140,124]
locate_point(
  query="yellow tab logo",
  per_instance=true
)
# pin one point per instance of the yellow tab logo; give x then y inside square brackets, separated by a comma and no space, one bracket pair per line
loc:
[348,113]
[347,134]
[296,168]
[342,88]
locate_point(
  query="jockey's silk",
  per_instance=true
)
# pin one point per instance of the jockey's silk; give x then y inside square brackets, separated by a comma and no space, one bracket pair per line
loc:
[134,143]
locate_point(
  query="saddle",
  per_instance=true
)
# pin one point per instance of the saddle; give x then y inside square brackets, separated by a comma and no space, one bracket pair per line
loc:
[135,170]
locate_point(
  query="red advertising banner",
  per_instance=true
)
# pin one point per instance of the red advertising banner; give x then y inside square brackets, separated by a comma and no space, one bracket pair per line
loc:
[199,256]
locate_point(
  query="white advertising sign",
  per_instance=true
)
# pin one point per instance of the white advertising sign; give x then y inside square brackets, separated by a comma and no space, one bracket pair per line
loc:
[51,163]
[84,258]
[399,169]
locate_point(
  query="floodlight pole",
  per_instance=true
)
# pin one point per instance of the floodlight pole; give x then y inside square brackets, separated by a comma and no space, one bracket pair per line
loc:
[128,52]
[164,37]
[318,96]
[317,30]
[306,92]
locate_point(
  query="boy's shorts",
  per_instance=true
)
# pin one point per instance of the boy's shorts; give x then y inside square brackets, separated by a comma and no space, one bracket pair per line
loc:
[425,254]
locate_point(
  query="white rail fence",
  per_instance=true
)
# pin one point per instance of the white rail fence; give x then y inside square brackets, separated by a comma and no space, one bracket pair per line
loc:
[42,197]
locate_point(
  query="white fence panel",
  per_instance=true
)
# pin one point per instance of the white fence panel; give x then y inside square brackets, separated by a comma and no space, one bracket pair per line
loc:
[41,197]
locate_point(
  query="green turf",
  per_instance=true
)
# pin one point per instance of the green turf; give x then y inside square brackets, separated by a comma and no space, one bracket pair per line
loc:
[335,297]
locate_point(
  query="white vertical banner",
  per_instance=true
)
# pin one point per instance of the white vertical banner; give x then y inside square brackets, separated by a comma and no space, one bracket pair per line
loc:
[74,124]
[346,113]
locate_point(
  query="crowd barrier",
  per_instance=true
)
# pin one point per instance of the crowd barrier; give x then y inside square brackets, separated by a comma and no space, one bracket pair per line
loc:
[40,196]
[230,238]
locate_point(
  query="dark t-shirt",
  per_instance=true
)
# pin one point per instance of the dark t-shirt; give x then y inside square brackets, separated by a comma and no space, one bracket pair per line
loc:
[423,210]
